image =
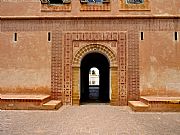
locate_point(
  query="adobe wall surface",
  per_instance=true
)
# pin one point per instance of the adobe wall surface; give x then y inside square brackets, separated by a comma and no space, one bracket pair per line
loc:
[160,64]
[32,64]
[158,53]
[34,8]
[25,64]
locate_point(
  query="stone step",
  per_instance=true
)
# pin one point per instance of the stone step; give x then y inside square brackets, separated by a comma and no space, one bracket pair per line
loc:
[162,104]
[167,100]
[138,106]
[24,97]
[51,105]
[22,101]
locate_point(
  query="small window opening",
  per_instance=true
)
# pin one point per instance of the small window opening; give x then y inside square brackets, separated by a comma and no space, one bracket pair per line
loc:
[93,72]
[134,1]
[15,36]
[49,36]
[176,36]
[142,36]
[94,1]
[56,1]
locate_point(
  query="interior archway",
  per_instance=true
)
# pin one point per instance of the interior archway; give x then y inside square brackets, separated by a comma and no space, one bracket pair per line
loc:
[99,61]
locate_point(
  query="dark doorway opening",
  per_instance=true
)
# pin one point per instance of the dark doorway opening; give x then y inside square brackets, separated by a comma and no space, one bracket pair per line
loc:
[102,64]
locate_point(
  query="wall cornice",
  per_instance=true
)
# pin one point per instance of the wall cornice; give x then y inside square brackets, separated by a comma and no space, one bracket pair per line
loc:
[90,17]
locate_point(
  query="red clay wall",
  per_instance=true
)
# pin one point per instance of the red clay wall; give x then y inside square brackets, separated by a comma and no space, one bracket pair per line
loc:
[160,64]
[33,8]
[25,63]
[25,66]
[158,36]
[20,7]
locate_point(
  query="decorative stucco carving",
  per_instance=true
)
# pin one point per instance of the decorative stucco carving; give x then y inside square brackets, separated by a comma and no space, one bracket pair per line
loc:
[94,48]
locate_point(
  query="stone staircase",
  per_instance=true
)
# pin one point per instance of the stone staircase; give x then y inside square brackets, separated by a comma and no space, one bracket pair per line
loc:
[28,102]
[156,104]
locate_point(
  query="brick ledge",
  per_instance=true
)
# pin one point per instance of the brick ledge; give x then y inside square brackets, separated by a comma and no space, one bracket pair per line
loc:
[90,17]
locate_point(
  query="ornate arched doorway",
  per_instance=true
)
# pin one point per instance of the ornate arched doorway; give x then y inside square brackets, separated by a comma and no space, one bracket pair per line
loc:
[88,91]
[86,56]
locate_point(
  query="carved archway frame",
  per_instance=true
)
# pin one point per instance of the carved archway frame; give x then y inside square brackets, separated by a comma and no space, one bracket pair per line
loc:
[110,44]
[83,51]
[106,51]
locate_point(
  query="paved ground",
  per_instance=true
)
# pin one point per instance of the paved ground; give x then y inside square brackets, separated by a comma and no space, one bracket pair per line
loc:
[88,120]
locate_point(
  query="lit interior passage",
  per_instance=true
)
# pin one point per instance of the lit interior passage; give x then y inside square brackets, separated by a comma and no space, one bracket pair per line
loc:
[94,83]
